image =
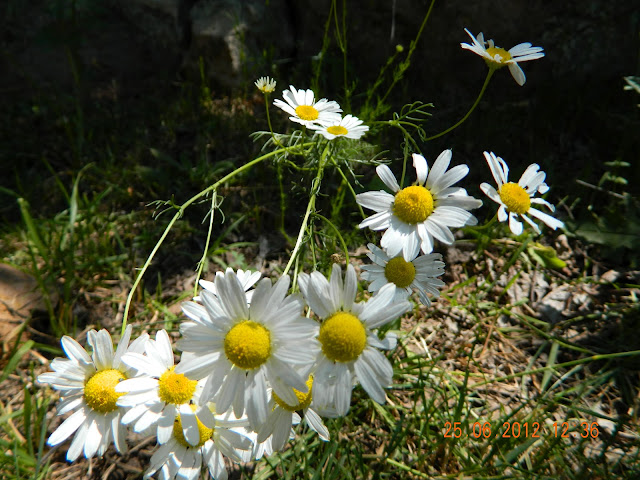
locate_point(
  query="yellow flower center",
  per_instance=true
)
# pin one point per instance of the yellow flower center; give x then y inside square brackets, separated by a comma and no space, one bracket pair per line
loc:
[515,197]
[337,130]
[400,272]
[205,433]
[413,204]
[504,55]
[248,345]
[307,112]
[304,399]
[100,390]
[175,387]
[342,337]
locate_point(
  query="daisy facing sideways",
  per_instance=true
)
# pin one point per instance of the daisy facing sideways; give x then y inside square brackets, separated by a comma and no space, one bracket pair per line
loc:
[265,84]
[348,340]
[515,199]
[87,387]
[348,127]
[240,348]
[304,109]
[416,215]
[420,273]
[497,57]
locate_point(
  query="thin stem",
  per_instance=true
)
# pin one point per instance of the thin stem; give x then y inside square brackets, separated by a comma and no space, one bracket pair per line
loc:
[473,107]
[214,197]
[349,186]
[315,188]
[266,106]
[407,61]
[405,154]
[325,45]
[335,229]
[283,202]
[180,212]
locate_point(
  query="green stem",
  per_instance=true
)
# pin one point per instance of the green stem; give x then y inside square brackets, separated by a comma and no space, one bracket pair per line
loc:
[349,186]
[405,154]
[315,188]
[473,107]
[335,229]
[266,106]
[283,202]
[202,261]
[180,212]
[407,60]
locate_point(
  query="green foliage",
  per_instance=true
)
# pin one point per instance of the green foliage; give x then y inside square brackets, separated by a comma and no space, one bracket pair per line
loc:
[611,218]
[450,409]
[22,436]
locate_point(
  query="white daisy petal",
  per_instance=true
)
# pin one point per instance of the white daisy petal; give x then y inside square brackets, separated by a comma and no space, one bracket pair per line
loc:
[517,73]
[422,170]
[123,345]
[542,201]
[314,287]
[350,287]
[189,424]
[315,422]
[102,349]
[502,213]
[439,168]
[232,295]
[67,428]
[546,218]
[368,381]
[379,221]
[77,444]
[75,351]
[377,201]
[514,225]
[343,389]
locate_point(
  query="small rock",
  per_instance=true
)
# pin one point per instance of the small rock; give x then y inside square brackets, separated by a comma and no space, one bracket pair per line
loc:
[553,303]
[610,276]
[19,297]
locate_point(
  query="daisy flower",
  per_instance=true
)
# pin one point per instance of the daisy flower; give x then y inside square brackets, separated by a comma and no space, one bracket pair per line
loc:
[238,347]
[497,57]
[222,437]
[349,344]
[516,198]
[248,279]
[417,214]
[303,108]
[159,395]
[283,416]
[348,127]
[265,84]
[87,388]
[419,273]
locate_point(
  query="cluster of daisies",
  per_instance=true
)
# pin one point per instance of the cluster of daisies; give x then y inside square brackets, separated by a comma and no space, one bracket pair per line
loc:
[257,360]
[252,367]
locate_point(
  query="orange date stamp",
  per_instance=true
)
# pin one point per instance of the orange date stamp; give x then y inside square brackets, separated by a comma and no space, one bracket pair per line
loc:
[480,430]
